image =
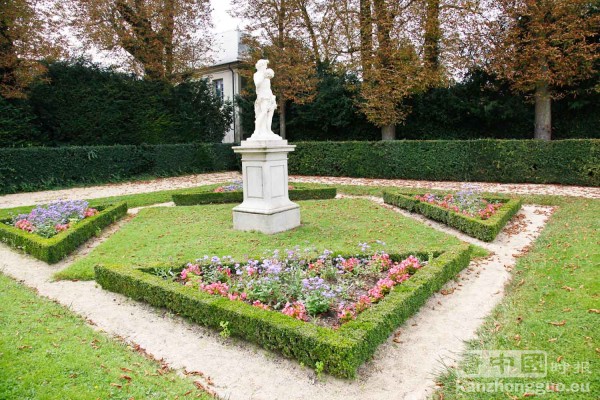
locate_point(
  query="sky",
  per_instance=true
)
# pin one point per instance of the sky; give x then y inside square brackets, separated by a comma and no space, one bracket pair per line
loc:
[221,19]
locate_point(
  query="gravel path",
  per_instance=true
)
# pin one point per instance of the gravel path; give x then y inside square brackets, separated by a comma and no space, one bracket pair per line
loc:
[512,188]
[116,189]
[181,182]
[402,368]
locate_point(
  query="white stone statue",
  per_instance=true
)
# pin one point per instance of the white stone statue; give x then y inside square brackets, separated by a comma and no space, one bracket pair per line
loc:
[265,103]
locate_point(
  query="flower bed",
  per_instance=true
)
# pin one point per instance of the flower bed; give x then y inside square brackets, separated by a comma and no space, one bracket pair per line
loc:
[51,232]
[51,219]
[341,346]
[328,291]
[467,210]
[232,193]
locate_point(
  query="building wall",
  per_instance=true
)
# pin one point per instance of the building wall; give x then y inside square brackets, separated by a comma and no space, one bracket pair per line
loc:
[231,88]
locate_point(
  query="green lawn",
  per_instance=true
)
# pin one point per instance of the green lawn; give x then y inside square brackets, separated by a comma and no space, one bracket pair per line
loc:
[46,352]
[558,280]
[552,305]
[182,234]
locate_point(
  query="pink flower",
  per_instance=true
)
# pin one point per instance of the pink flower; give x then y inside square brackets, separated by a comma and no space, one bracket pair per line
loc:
[346,312]
[237,296]
[215,288]
[363,303]
[381,260]
[398,273]
[295,310]
[219,189]
[90,212]
[192,269]
[350,264]
[61,227]
[25,225]
[257,303]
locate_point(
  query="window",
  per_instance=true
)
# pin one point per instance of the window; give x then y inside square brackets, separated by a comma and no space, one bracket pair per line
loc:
[218,86]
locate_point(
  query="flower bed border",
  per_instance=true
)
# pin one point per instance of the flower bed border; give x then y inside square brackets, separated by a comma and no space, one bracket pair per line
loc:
[192,199]
[485,230]
[341,351]
[54,249]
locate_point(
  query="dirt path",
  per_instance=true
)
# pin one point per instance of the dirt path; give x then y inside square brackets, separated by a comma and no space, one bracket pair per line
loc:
[401,369]
[118,189]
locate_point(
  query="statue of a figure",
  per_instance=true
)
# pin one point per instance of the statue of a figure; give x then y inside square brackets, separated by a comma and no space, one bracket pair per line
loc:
[265,103]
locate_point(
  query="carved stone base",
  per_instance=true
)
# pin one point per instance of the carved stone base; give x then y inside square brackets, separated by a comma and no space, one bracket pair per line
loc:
[267,207]
[274,222]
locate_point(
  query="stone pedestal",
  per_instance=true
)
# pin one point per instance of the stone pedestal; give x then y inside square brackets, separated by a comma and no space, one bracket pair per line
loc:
[267,207]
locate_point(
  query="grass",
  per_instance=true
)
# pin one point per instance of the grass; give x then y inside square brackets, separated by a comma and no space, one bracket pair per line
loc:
[557,280]
[133,200]
[552,305]
[46,352]
[182,234]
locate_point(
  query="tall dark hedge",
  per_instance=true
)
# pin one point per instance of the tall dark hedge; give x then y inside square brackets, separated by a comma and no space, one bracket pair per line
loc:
[80,103]
[480,106]
[38,168]
[572,162]
[18,124]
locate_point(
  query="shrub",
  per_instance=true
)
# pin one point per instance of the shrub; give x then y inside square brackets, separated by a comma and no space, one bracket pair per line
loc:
[485,230]
[341,351]
[54,249]
[573,162]
[38,168]
[190,199]
[81,103]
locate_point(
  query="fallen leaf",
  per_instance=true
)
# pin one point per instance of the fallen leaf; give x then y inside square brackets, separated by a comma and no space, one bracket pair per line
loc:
[568,289]
[594,311]
[559,359]
[561,323]
[116,385]
[552,340]
[126,377]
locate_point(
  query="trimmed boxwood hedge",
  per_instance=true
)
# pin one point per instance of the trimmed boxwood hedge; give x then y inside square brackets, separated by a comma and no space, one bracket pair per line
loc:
[485,230]
[38,168]
[54,249]
[571,162]
[191,199]
[342,351]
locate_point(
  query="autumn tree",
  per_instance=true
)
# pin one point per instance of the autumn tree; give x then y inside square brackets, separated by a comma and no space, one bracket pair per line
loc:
[164,39]
[292,54]
[391,68]
[26,37]
[543,47]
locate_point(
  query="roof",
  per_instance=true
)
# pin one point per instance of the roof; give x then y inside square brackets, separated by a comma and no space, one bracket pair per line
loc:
[229,47]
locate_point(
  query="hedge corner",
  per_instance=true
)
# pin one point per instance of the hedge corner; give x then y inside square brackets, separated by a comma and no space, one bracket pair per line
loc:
[341,351]
[485,230]
[54,249]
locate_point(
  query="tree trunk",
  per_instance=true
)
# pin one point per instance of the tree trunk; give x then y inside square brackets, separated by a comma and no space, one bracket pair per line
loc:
[282,118]
[366,35]
[388,132]
[432,38]
[543,112]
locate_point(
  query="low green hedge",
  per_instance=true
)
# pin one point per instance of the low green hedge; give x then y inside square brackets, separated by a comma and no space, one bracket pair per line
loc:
[485,230]
[341,351]
[190,199]
[54,249]
[570,162]
[39,168]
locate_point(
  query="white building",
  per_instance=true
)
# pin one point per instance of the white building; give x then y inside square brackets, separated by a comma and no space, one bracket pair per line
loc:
[225,78]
